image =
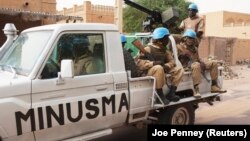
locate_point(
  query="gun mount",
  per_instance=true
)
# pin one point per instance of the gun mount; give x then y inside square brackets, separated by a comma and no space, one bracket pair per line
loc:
[166,18]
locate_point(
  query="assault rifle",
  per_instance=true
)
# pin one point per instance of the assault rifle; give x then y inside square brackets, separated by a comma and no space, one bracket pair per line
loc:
[147,55]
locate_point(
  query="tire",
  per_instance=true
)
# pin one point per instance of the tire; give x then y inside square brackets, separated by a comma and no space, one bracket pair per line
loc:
[178,115]
[130,63]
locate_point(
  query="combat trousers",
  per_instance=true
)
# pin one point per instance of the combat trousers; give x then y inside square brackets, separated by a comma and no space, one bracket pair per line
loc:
[176,75]
[158,72]
[212,66]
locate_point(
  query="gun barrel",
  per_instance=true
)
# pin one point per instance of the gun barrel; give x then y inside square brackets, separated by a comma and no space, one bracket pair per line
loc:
[139,7]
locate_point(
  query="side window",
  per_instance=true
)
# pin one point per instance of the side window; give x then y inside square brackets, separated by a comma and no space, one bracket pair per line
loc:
[86,51]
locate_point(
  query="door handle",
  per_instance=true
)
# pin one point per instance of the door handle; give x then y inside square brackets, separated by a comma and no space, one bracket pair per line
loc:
[60,81]
[101,88]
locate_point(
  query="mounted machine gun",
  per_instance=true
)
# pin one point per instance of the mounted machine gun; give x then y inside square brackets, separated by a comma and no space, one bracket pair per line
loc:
[166,18]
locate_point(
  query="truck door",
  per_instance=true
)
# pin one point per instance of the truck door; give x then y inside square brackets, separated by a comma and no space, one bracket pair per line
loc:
[84,103]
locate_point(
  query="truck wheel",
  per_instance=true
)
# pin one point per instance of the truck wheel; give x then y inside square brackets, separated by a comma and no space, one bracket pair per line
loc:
[178,115]
[130,63]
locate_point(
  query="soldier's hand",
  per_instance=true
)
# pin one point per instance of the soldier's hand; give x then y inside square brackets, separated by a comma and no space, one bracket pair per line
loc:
[158,63]
[166,68]
[149,56]
[185,57]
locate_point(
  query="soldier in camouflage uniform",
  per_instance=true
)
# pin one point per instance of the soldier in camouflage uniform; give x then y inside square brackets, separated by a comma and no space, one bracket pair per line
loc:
[189,57]
[85,63]
[161,63]
[194,22]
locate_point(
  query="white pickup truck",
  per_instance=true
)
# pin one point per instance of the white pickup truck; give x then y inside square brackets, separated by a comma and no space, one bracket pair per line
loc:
[42,98]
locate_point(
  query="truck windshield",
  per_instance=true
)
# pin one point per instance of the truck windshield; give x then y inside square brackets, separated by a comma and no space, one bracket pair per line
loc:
[24,52]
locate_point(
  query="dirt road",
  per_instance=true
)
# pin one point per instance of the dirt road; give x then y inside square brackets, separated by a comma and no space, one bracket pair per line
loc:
[235,105]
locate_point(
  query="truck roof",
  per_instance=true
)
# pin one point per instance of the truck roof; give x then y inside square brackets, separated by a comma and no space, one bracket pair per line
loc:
[75,26]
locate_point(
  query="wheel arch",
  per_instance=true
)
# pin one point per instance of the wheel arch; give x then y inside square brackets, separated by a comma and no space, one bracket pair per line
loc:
[181,114]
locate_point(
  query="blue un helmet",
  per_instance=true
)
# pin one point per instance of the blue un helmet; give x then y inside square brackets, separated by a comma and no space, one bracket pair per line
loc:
[189,33]
[160,32]
[83,41]
[81,45]
[123,38]
[193,6]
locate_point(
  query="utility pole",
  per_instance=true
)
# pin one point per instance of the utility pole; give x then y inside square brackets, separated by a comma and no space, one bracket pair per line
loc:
[119,14]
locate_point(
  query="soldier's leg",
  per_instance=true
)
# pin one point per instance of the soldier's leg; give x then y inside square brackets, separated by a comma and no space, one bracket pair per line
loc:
[213,67]
[176,76]
[196,75]
[157,71]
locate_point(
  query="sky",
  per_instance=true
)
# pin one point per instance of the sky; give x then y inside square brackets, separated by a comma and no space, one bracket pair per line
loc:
[205,6]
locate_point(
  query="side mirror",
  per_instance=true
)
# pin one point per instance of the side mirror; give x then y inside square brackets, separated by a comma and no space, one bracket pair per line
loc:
[67,68]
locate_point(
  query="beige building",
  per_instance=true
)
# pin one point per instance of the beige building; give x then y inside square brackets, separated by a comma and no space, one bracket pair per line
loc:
[90,13]
[31,10]
[96,13]
[48,6]
[227,36]
[228,24]
[28,13]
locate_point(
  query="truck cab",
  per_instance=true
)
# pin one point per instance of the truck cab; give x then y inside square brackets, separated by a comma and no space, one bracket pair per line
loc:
[41,100]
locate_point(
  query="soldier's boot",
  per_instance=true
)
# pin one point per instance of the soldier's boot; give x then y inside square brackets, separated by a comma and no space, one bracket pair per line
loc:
[171,95]
[197,91]
[215,88]
[163,98]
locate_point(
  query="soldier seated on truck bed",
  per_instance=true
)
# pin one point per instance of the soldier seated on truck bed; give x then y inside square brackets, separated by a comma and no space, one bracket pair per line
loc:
[189,57]
[128,59]
[161,62]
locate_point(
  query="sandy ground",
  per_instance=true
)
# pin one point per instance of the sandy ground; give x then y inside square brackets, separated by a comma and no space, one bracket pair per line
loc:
[243,76]
[235,105]
[238,84]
